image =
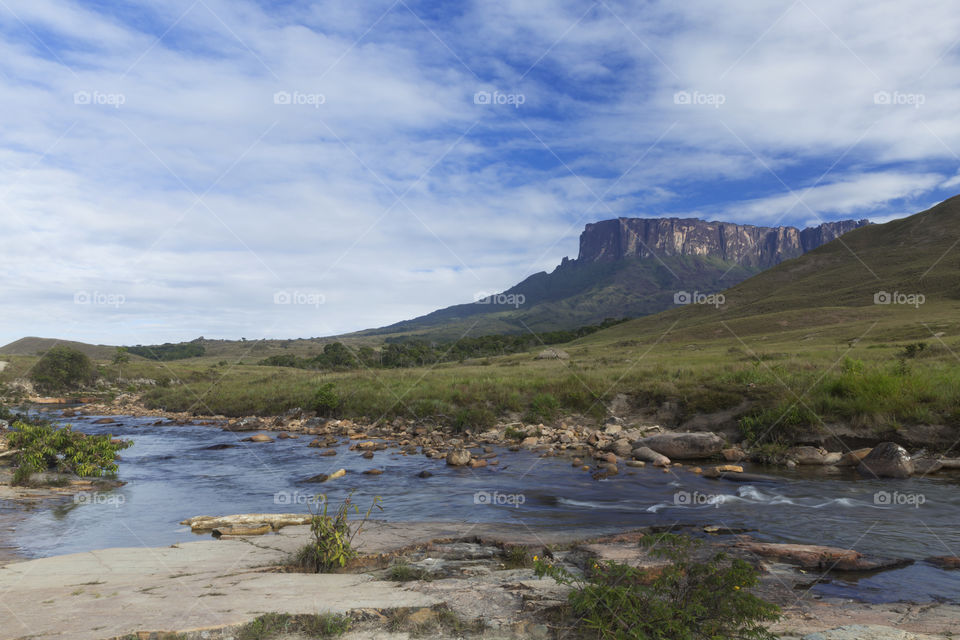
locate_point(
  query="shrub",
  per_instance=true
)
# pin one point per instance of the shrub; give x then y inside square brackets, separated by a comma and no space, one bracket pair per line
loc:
[332,546]
[326,400]
[403,572]
[688,600]
[476,416]
[543,407]
[44,447]
[63,368]
[271,625]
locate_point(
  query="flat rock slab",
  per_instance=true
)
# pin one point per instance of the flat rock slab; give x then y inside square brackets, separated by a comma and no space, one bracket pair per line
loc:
[866,632]
[809,556]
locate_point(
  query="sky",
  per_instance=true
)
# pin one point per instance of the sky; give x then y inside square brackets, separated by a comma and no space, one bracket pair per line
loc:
[231,169]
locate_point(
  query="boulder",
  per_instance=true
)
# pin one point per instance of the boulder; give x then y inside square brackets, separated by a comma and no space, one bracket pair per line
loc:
[104,421]
[944,562]
[646,454]
[458,457]
[530,441]
[923,466]
[373,472]
[808,455]
[367,454]
[424,474]
[734,454]
[622,448]
[636,463]
[683,446]
[553,354]
[476,464]
[863,631]
[853,458]
[887,460]
[260,437]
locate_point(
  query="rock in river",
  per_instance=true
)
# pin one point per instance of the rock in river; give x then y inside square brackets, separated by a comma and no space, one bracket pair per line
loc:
[647,454]
[683,446]
[458,457]
[887,460]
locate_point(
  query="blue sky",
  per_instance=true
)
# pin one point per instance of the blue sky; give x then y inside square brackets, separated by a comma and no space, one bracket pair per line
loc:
[169,170]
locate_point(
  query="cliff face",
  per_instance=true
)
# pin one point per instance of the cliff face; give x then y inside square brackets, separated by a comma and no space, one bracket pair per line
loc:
[750,246]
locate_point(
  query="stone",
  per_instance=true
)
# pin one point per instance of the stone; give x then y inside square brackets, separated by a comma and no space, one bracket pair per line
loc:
[853,458]
[733,454]
[820,558]
[476,464]
[553,354]
[807,455]
[923,466]
[329,452]
[636,463]
[944,562]
[887,460]
[373,472]
[530,441]
[683,445]
[424,474]
[612,429]
[622,448]
[458,457]
[649,455]
[260,437]
[367,454]
[865,632]
[104,421]
[728,468]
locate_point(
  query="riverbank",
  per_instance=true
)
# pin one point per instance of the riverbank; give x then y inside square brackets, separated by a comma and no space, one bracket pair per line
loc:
[220,585]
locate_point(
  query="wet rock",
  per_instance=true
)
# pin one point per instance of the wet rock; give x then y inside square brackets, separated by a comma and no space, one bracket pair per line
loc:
[944,562]
[104,421]
[328,453]
[820,558]
[373,472]
[612,429]
[260,437]
[865,631]
[530,441]
[476,464]
[923,466]
[647,454]
[367,454]
[458,457]
[622,448]
[808,455]
[683,445]
[635,463]
[887,460]
[217,447]
[424,474]
[245,424]
[734,454]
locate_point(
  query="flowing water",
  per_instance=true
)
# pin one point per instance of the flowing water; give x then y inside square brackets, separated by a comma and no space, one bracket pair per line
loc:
[174,472]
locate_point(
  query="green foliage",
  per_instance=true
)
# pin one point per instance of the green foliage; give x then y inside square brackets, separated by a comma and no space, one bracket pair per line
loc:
[61,369]
[914,349]
[168,351]
[512,433]
[271,625]
[326,400]
[543,408]
[777,424]
[401,571]
[687,600]
[44,447]
[474,417]
[122,356]
[517,557]
[331,547]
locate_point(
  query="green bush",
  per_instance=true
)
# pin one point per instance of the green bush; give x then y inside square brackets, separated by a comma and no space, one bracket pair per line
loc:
[326,400]
[44,447]
[63,369]
[476,417]
[688,600]
[543,408]
[331,547]
[271,625]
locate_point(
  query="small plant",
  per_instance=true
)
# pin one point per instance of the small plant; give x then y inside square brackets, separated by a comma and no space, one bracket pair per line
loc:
[518,557]
[401,571]
[543,407]
[44,447]
[687,600]
[326,400]
[914,349]
[332,546]
[512,433]
[271,625]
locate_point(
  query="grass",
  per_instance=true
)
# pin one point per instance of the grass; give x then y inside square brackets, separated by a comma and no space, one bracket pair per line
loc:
[271,625]
[401,571]
[438,619]
[517,557]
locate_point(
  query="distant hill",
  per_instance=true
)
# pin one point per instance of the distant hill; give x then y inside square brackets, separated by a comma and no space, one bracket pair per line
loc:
[628,267]
[31,346]
[902,276]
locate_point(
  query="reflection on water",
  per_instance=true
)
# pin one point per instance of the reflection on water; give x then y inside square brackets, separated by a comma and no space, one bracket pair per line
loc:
[173,473]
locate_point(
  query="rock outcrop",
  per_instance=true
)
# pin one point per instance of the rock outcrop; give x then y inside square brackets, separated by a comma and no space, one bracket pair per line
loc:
[748,245]
[887,460]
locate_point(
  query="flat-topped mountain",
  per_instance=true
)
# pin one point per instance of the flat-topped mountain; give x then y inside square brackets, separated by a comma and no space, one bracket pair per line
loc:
[627,267]
[746,245]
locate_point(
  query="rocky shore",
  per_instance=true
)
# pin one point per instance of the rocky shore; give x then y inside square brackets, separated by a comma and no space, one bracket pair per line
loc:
[209,589]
